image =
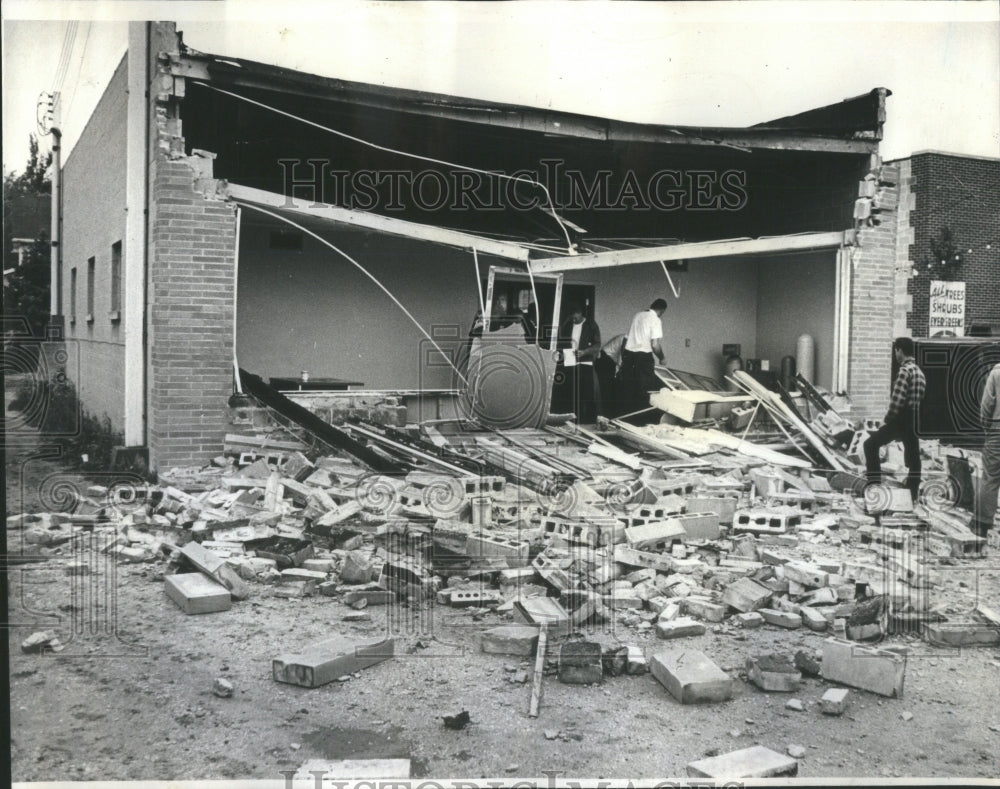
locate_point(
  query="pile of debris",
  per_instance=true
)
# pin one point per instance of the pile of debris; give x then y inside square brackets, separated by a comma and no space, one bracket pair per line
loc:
[661,531]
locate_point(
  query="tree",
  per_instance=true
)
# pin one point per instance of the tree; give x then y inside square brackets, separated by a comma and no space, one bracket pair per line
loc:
[26,287]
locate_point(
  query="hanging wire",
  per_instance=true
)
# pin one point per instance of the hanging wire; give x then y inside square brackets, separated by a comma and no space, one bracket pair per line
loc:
[386,149]
[364,271]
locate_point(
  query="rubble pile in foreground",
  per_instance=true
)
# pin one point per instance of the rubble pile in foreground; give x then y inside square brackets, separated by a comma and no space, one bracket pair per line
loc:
[548,537]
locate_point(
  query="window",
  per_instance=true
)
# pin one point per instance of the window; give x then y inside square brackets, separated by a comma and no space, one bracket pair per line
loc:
[91,267]
[72,295]
[116,281]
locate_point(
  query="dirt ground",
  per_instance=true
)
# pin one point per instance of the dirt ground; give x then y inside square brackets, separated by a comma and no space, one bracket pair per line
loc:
[131,695]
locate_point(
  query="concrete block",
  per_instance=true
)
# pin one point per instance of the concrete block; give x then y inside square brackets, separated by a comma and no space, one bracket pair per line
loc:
[679,628]
[724,507]
[636,661]
[824,596]
[781,618]
[691,677]
[542,611]
[516,575]
[961,634]
[813,619]
[550,571]
[699,525]
[575,532]
[622,598]
[750,620]
[517,640]
[773,673]
[868,668]
[639,576]
[658,604]
[474,597]
[370,596]
[195,594]
[216,567]
[834,701]
[703,609]
[301,574]
[325,661]
[659,535]
[636,558]
[806,574]
[513,550]
[580,663]
[765,521]
[319,565]
[746,595]
[869,631]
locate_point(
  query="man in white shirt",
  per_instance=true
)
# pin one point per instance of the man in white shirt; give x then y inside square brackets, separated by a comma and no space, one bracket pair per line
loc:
[642,346]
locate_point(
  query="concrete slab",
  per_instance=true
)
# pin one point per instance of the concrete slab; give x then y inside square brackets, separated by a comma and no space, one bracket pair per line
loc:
[195,594]
[691,677]
[754,762]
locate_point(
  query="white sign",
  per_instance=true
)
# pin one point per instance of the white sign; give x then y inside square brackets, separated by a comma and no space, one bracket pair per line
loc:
[947,309]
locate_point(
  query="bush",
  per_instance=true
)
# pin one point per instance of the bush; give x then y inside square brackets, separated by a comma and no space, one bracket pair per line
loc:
[63,421]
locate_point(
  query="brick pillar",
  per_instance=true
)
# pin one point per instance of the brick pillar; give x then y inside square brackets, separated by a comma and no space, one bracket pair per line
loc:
[904,265]
[190,318]
[872,307]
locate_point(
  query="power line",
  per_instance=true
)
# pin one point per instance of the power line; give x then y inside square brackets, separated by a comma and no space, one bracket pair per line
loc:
[69,41]
[83,55]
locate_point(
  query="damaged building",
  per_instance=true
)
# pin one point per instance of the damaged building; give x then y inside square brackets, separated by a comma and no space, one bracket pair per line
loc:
[182,251]
[270,281]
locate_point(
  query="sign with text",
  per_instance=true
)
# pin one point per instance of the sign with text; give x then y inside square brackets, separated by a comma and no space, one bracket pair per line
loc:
[947,309]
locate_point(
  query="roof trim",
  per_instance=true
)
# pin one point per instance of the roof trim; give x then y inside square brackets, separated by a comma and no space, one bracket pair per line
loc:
[260,76]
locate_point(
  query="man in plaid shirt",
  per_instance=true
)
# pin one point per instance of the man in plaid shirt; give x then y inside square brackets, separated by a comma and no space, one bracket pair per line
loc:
[900,420]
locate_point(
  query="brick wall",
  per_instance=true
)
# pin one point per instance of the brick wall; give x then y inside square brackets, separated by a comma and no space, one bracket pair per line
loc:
[190,317]
[94,220]
[872,291]
[962,194]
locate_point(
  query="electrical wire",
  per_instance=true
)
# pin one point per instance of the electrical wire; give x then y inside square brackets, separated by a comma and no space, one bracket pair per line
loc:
[69,42]
[386,149]
[364,271]
[83,55]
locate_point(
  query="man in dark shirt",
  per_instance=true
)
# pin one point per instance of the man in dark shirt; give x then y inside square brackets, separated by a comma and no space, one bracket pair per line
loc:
[900,420]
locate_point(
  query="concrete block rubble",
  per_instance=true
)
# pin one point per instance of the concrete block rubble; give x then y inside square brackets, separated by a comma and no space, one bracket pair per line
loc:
[593,554]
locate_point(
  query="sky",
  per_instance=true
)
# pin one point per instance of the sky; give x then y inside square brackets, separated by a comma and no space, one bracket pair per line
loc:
[690,63]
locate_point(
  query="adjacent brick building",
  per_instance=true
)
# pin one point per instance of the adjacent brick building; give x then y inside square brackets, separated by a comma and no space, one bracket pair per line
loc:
[950,212]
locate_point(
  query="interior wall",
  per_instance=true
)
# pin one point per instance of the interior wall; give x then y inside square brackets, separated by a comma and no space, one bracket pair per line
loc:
[312,310]
[717,304]
[796,295]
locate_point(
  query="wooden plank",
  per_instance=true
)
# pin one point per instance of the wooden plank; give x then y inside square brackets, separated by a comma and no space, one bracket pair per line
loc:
[774,404]
[536,682]
[698,249]
[235,442]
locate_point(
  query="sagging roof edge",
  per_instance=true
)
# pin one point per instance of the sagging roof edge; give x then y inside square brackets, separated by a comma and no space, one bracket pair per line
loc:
[822,129]
[413,230]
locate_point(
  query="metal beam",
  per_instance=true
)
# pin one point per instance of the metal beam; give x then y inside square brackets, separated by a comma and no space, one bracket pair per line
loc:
[377,222]
[698,249]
